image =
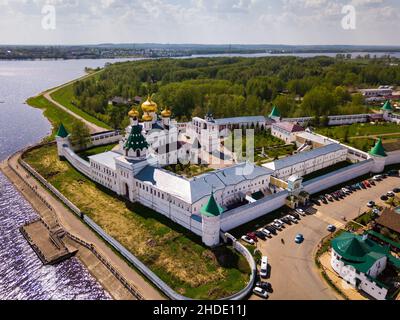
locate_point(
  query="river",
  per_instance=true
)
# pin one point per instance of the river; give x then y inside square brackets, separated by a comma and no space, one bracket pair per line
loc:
[22,275]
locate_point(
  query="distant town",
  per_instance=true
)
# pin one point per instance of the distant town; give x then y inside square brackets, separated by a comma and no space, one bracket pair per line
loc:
[111,51]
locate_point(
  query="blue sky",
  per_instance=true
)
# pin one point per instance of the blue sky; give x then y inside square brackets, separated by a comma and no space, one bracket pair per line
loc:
[200,21]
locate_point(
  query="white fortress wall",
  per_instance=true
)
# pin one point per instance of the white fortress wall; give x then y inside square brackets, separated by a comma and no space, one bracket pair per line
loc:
[106,138]
[236,217]
[340,176]
[393,157]
[77,162]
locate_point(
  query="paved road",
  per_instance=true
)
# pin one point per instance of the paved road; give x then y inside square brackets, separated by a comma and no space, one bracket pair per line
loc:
[293,274]
[92,127]
[75,226]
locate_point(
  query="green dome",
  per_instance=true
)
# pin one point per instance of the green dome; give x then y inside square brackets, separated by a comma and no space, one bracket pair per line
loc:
[62,132]
[387,106]
[211,209]
[136,141]
[378,150]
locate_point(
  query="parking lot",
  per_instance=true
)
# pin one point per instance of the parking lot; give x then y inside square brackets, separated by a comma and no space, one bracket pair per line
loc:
[292,271]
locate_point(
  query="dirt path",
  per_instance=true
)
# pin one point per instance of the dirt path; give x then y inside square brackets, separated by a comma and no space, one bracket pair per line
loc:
[92,127]
[74,225]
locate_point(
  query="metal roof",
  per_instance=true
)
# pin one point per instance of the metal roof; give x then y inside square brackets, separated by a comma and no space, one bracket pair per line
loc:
[239,120]
[305,156]
[106,159]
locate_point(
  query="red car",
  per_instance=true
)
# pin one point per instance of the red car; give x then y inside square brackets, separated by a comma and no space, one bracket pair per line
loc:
[253,236]
[366,184]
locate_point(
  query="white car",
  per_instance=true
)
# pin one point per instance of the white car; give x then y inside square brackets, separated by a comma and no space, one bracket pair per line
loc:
[277,225]
[291,218]
[377,178]
[279,222]
[301,212]
[266,232]
[264,267]
[248,240]
[260,292]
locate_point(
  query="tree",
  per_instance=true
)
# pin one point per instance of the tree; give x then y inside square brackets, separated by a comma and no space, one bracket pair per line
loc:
[80,135]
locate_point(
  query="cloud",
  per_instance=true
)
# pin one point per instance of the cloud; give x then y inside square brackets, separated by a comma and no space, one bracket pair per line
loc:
[200,21]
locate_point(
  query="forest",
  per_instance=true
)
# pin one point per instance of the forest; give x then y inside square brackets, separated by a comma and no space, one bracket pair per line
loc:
[235,86]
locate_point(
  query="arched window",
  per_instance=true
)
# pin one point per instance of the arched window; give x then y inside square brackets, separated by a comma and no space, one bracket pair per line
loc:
[138,153]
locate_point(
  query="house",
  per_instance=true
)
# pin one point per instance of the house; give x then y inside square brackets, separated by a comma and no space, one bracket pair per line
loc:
[286,131]
[360,261]
[389,219]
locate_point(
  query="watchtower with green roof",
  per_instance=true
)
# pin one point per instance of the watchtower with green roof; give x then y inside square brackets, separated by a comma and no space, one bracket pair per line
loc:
[136,145]
[275,114]
[211,222]
[62,139]
[387,109]
[378,153]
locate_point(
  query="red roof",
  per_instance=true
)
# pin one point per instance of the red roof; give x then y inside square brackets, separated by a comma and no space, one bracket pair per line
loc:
[289,126]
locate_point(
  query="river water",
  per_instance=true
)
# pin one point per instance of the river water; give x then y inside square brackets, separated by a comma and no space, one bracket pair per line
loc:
[22,275]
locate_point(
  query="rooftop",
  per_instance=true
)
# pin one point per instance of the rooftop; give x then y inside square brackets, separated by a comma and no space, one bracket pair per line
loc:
[239,120]
[359,252]
[390,218]
[378,149]
[303,156]
[106,159]
[289,126]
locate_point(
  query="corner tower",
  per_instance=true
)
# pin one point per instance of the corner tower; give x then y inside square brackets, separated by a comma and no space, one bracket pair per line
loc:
[211,222]
[378,153]
[62,139]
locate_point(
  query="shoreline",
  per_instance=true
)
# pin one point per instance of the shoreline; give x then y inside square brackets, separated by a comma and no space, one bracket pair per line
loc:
[69,221]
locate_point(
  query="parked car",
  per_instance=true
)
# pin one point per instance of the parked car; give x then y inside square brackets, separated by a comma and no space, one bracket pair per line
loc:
[264,285]
[346,191]
[299,239]
[335,196]
[286,220]
[377,178]
[376,211]
[367,184]
[260,292]
[271,229]
[292,218]
[371,204]
[363,185]
[277,225]
[252,235]
[390,194]
[323,199]
[280,222]
[349,188]
[396,190]
[372,182]
[316,202]
[329,197]
[264,267]
[331,228]
[266,232]
[248,240]
[384,198]
[260,235]
[301,212]
[296,215]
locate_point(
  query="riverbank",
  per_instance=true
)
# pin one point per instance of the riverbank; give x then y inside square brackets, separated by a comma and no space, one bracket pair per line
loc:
[40,199]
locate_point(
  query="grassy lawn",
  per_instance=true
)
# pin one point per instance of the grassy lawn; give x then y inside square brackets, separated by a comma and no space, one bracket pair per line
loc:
[365,218]
[359,130]
[65,96]
[188,170]
[96,150]
[54,114]
[175,254]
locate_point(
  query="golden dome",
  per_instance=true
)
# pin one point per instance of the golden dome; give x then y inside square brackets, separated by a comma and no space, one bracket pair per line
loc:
[166,113]
[133,113]
[147,118]
[149,105]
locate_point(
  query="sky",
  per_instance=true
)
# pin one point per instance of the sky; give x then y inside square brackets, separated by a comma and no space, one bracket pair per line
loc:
[296,22]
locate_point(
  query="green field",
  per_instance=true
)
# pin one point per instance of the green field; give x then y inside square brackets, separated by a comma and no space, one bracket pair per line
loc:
[96,150]
[54,114]
[65,96]
[175,254]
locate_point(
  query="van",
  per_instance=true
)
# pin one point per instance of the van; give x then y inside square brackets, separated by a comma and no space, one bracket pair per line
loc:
[264,267]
